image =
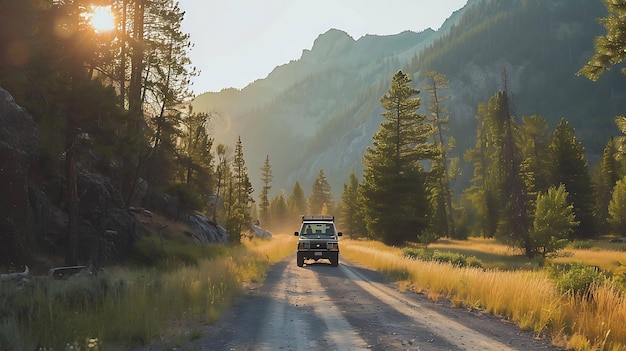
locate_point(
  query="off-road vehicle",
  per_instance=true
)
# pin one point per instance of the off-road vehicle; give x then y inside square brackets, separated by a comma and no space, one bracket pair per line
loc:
[318,240]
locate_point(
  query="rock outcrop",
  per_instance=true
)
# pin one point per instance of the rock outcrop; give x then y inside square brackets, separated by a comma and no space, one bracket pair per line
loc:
[18,145]
[32,215]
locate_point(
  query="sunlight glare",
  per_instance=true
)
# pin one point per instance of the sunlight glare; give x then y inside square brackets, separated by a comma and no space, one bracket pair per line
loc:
[102,19]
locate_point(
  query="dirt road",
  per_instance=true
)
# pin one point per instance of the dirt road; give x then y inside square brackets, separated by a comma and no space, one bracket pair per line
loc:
[319,307]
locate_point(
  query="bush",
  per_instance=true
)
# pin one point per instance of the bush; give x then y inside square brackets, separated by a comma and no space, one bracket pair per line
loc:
[455,259]
[576,278]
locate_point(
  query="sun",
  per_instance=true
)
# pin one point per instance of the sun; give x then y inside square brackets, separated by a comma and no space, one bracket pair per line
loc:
[102,18]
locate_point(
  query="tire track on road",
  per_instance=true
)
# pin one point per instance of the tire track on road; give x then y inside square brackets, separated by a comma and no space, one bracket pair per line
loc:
[456,334]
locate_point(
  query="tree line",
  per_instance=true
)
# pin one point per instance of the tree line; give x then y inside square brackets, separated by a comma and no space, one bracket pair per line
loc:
[115,103]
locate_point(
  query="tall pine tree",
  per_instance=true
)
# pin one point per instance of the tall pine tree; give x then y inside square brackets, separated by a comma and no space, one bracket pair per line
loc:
[396,206]
[439,117]
[266,178]
[239,196]
[569,167]
[321,199]
[351,220]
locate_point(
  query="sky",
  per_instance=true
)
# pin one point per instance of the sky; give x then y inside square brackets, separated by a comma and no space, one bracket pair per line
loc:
[239,41]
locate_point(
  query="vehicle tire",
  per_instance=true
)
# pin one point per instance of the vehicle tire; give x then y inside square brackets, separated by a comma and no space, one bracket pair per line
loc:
[334,259]
[300,259]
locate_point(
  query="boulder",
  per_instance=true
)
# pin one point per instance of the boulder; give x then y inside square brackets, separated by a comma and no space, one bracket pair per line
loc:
[107,226]
[261,233]
[204,231]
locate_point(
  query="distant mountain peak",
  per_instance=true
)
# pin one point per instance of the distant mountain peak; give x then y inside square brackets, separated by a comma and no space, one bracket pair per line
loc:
[332,43]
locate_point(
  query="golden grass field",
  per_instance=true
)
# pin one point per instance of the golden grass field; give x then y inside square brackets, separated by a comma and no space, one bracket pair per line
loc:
[512,287]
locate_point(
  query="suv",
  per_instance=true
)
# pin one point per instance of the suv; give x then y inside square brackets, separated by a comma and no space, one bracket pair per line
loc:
[318,239]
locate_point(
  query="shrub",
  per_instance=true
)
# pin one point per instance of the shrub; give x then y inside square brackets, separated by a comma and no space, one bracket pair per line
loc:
[421,254]
[427,237]
[455,259]
[576,278]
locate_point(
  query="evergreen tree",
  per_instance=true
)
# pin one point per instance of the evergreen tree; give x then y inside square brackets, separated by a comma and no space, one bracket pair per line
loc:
[296,206]
[617,208]
[239,196]
[554,221]
[606,175]
[195,155]
[444,169]
[222,174]
[321,198]
[483,191]
[535,141]
[514,218]
[610,48]
[396,207]
[498,190]
[569,167]
[264,203]
[296,202]
[280,212]
[351,220]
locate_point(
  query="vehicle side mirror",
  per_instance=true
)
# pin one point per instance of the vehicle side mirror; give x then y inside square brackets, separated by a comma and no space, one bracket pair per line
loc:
[339,234]
[296,234]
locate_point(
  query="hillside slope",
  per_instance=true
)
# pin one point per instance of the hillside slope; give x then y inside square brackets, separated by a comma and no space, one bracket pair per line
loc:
[320,112]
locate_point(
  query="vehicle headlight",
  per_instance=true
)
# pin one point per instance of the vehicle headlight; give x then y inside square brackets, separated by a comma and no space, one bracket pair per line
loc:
[303,245]
[331,246]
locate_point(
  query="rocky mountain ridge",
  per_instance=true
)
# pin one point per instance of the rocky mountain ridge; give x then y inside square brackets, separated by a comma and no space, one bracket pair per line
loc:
[331,78]
[321,111]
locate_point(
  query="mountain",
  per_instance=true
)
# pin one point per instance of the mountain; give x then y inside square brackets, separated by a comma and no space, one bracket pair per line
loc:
[320,111]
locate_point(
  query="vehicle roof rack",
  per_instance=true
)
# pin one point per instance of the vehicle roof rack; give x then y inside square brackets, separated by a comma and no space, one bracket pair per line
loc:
[318,218]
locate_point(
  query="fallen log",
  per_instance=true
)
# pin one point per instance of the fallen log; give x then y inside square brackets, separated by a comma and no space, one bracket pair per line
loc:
[61,272]
[15,276]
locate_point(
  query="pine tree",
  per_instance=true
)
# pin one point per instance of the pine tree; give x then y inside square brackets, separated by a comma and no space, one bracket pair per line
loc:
[514,218]
[321,197]
[609,49]
[351,220]
[396,207]
[498,190]
[239,197]
[535,141]
[569,167]
[483,191]
[554,221]
[606,175]
[296,205]
[266,178]
[195,155]
[439,117]
[280,212]
[617,208]
[222,174]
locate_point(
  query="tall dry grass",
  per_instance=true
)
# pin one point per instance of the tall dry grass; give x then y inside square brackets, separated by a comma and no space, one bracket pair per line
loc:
[528,298]
[129,307]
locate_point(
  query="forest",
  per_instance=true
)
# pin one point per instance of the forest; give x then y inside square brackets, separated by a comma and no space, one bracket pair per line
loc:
[116,103]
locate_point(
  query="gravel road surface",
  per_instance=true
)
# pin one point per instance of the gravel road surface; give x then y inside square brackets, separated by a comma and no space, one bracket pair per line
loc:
[319,307]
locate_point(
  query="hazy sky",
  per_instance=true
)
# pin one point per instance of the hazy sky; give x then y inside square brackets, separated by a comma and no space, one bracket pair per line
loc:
[240,41]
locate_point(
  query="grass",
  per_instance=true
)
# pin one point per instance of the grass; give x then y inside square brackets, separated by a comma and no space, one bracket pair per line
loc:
[127,307]
[527,297]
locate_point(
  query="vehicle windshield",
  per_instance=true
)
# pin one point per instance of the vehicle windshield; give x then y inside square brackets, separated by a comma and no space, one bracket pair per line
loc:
[317,229]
